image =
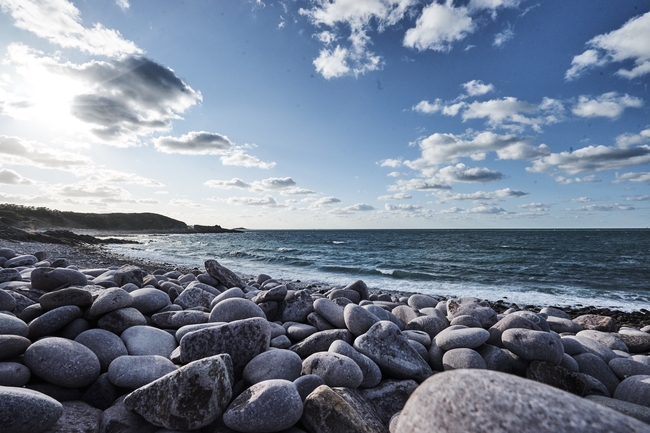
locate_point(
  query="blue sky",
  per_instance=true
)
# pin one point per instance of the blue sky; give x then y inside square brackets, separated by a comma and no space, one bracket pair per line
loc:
[330,114]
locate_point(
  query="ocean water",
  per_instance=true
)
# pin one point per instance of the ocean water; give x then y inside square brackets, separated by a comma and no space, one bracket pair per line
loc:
[603,268]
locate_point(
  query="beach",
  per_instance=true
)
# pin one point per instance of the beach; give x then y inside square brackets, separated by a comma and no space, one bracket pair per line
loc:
[117,344]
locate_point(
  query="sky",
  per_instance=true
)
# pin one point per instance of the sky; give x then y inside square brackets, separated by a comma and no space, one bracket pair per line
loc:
[330,114]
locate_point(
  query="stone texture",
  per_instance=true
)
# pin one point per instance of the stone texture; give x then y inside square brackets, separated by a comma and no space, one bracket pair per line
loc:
[419,302]
[268,406]
[135,371]
[296,307]
[243,340]
[389,397]
[479,309]
[147,340]
[597,323]
[489,401]
[52,321]
[626,367]
[432,325]
[23,260]
[595,366]
[7,302]
[190,398]
[360,287]
[580,384]
[370,370]
[390,350]
[592,346]
[10,325]
[634,389]
[9,275]
[533,345]
[101,393]
[26,411]
[357,319]
[194,297]
[224,275]
[610,340]
[273,364]
[178,319]
[510,321]
[149,300]
[78,417]
[13,345]
[109,300]
[119,320]
[68,296]
[233,309]
[129,274]
[104,344]
[320,341]
[14,374]
[561,325]
[62,362]
[306,383]
[333,313]
[334,368]
[119,419]
[639,412]
[636,341]
[49,279]
[469,338]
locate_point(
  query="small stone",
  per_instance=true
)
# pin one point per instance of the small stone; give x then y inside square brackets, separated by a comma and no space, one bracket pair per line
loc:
[480,309]
[181,332]
[104,344]
[345,295]
[357,319]
[561,325]
[147,340]
[580,384]
[626,367]
[405,313]
[281,342]
[555,312]
[360,287]
[319,322]
[466,320]
[533,345]
[49,279]
[10,275]
[432,325]
[178,319]
[7,302]
[268,406]
[296,307]
[190,398]
[331,312]
[62,362]
[194,297]
[14,374]
[370,370]
[299,331]
[636,341]
[233,309]
[490,401]
[306,383]
[101,393]
[595,366]
[77,417]
[597,323]
[419,302]
[495,358]
[592,346]
[335,369]
[537,319]
[26,411]
[135,371]
[23,260]
[510,321]
[273,364]
[389,397]
[119,419]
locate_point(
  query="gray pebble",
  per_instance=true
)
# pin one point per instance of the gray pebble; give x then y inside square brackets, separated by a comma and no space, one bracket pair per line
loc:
[233,309]
[26,411]
[334,368]
[14,374]
[62,362]
[147,340]
[135,371]
[104,344]
[273,364]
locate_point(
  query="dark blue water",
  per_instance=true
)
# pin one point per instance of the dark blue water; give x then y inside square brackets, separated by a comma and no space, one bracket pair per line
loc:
[604,268]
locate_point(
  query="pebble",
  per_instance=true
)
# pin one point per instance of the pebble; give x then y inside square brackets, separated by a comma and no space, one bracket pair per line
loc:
[296,307]
[626,367]
[635,340]
[132,372]
[129,274]
[533,345]
[559,377]
[77,417]
[178,319]
[26,411]
[268,406]
[62,362]
[7,302]
[418,302]
[477,308]
[320,341]
[52,321]
[334,368]
[330,312]
[119,419]
[14,374]
[358,319]
[634,389]
[119,320]
[9,275]
[147,340]
[594,366]
[273,364]
[458,358]
[49,279]
[68,296]
[149,300]
[13,345]
[109,300]
[11,325]
[104,344]
[23,260]
[597,323]
[370,370]
[233,309]
[194,297]
[469,338]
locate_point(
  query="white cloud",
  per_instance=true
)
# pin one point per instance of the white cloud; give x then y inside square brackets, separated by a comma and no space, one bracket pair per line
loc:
[242,159]
[228,184]
[509,112]
[266,201]
[439,26]
[195,143]
[626,140]
[359,207]
[477,88]
[581,200]
[59,22]
[633,177]
[418,185]
[332,63]
[488,210]
[324,202]
[504,36]
[630,42]
[11,177]
[501,194]
[461,173]
[397,196]
[394,174]
[606,105]
[393,163]
[183,202]
[536,207]
[15,150]
[114,176]
[123,4]
[402,207]
[570,180]
[92,190]
[638,198]
[425,107]
[602,208]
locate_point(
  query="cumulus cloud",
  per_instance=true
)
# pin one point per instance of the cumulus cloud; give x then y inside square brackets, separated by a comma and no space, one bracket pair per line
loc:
[85,189]
[461,173]
[439,26]
[390,163]
[402,207]
[359,207]
[477,88]
[241,159]
[638,198]
[610,105]
[535,207]
[418,185]
[15,150]
[266,201]
[11,177]
[570,180]
[630,42]
[488,210]
[228,184]
[626,140]
[581,200]
[59,22]
[602,208]
[195,143]
[633,177]
[445,196]
[426,107]
[123,4]
[324,202]
[397,196]
[509,112]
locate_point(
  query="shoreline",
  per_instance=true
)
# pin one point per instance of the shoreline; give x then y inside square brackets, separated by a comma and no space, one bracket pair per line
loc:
[96,256]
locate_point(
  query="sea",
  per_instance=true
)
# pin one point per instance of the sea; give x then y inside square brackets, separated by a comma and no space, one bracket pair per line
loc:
[604,268]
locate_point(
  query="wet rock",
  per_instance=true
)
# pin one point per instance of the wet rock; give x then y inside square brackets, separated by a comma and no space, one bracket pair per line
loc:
[533,345]
[62,362]
[273,364]
[135,371]
[580,384]
[390,350]
[26,411]
[190,398]
[320,341]
[268,406]
[489,401]
[334,368]
[147,340]
[49,279]
[224,275]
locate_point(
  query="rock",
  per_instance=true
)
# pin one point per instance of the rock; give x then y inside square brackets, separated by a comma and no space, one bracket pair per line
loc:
[129,274]
[7,253]
[319,322]
[569,363]
[14,374]
[418,302]
[135,371]
[235,292]
[360,287]
[119,320]
[597,323]
[537,319]
[331,312]
[110,300]
[555,312]
[636,341]
[190,398]
[561,325]
[595,366]
[608,339]
[13,345]
[370,370]
[475,307]
[299,331]
[104,344]
[49,279]
[634,389]
[571,346]
[405,313]
[510,321]
[68,296]
[466,320]
[344,295]
[469,338]
[118,419]
[462,358]
[106,280]
[533,345]
[178,319]
[9,275]
[194,297]
[334,368]
[273,364]
[592,346]
[624,368]
[101,393]
[233,309]
[224,275]
[307,383]
[243,340]
[181,332]
[580,384]
[326,411]
[390,350]
[490,401]
[147,340]
[52,321]
[62,362]
[357,319]
[281,342]
[296,307]
[268,406]
[639,412]
[389,397]
[432,325]
[277,294]
[10,325]
[7,302]
[24,260]
[320,342]
[495,358]
[148,300]
[77,417]
[26,411]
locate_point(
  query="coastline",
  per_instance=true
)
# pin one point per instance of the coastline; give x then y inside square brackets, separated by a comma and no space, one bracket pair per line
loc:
[97,256]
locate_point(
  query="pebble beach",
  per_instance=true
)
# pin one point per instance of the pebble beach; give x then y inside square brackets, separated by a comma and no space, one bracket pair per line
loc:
[93,342]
